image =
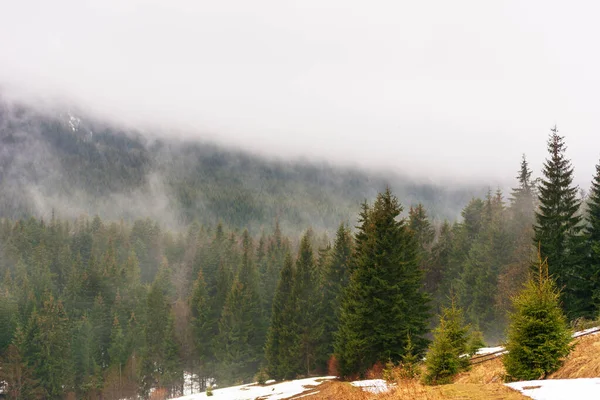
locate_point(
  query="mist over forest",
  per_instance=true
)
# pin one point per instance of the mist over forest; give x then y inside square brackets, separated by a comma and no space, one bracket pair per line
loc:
[202,194]
[78,165]
[137,266]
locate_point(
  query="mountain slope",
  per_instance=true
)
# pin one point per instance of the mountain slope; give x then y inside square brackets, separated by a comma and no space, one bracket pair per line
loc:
[76,166]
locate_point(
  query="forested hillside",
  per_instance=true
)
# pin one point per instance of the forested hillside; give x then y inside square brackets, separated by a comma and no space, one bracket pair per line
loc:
[201,265]
[74,166]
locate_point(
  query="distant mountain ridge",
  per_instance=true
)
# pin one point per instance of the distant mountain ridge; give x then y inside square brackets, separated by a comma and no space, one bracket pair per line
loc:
[74,165]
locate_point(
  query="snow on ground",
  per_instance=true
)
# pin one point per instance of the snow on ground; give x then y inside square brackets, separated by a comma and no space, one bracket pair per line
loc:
[587,331]
[560,389]
[489,350]
[499,349]
[275,391]
[372,385]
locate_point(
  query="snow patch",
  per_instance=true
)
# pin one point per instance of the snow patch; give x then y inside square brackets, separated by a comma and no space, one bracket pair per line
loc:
[74,123]
[252,391]
[559,389]
[372,385]
[489,350]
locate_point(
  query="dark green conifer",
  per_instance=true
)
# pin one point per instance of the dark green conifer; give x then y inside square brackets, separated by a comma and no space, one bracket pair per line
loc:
[538,335]
[593,239]
[241,328]
[558,229]
[309,315]
[337,276]
[384,301]
[280,353]
[447,354]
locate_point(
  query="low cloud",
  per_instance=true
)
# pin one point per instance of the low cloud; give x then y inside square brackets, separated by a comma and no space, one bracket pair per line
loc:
[431,89]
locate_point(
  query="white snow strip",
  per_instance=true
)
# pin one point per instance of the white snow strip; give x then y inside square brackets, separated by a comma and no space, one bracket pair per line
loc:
[489,350]
[587,331]
[276,391]
[559,389]
[372,385]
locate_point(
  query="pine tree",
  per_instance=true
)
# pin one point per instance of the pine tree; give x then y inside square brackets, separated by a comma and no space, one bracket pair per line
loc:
[384,301]
[593,240]
[538,335]
[558,229]
[200,310]
[16,377]
[309,316]
[241,328]
[447,355]
[522,197]
[47,348]
[337,276]
[440,262]
[280,353]
[521,213]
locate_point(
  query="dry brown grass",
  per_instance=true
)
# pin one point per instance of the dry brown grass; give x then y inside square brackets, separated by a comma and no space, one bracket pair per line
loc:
[584,360]
[483,381]
[414,390]
[488,372]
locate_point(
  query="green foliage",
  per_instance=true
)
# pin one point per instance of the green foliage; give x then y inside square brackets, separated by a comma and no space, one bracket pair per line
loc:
[241,328]
[309,302]
[538,336]
[261,377]
[279,350]
[16,377]
[384,301]
[336,278]
[558,230]
[592,233]
[47,348]
[446,355]
[409,368]
[476,342]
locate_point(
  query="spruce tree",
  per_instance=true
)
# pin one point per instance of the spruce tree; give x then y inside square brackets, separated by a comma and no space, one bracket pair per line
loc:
[593,240]
[200,310]
[241,328]
[47,348]
[522,197]
[280,353]
[384,301]
[16,377]
[447,354]
[558,229]
[309,315]
[538,335]
[336,277]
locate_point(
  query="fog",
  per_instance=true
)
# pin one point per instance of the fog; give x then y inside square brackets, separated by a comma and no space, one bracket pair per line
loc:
[432,89]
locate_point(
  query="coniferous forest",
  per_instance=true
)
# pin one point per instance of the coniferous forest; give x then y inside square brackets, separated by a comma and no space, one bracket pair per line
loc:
[96,308]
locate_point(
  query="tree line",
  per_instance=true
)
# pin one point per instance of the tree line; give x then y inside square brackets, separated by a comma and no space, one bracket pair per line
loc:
[96,309]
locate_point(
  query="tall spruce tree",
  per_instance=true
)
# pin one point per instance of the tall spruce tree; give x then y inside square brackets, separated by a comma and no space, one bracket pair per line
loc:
[336,277]
[200,313]
[522,197]
[309,316]
[424,233]
[384,302]
[280,353]
[241,328]
[593,240]
[558,229]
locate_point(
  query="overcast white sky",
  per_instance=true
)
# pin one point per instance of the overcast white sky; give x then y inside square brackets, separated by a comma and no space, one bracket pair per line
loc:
[438,88]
